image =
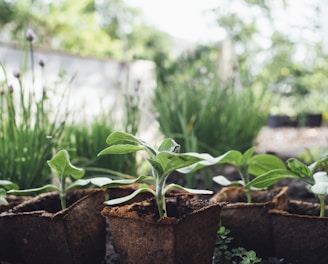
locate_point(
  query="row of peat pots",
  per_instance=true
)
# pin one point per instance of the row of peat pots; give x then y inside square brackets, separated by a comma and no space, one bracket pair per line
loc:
[37,231]
[272,225]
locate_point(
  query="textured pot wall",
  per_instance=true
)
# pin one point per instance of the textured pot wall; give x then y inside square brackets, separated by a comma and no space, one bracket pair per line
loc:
[75,235]
[171,241]
[300,239]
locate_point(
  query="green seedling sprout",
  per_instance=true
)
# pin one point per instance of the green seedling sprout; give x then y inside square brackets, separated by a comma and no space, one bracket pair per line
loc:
[63,169]
[6,185]
[315,175]
[163,161]
[247,164]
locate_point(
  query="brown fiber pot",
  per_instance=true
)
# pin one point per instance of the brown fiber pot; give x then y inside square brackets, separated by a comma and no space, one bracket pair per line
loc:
[250,223]
[300,235]
[45,234]
[188,235]
[8,250]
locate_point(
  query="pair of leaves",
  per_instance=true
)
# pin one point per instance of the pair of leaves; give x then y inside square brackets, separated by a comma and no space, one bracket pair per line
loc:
[164,160]
[298,170]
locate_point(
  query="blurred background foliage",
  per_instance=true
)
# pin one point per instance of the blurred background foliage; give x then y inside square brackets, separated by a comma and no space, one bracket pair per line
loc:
[195,103]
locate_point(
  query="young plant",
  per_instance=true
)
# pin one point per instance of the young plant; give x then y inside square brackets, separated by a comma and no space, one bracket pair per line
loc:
[314,174]
[224,253]
[163,161]
[247,164]
[63,169]
[6,185]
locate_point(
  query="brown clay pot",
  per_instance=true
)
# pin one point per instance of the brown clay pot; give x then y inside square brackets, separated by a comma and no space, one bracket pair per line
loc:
[187,235]
[250,223]
[300,235]
[45,234]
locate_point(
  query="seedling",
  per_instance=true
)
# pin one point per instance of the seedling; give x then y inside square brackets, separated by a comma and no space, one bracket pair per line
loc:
[163,161]
[63,169]
[247,165]
[315,175]
[224,253]
[6,185]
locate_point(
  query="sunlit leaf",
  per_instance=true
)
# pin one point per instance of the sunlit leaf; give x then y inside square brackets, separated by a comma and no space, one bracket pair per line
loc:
[62,166]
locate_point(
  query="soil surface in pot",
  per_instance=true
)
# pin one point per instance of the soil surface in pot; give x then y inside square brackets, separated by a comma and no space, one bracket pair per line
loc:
[49,202]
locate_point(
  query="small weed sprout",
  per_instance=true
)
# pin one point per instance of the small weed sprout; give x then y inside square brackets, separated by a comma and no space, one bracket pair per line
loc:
[224,254]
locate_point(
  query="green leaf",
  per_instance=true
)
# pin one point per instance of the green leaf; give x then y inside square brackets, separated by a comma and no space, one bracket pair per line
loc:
[8,185]
[225,182]
[177,186]
[156,166]
[45,188]
[299,168]
[97,181]
[172,161]
[3,200]
[120,149]
[232,157]
[62,166]
[222,180]
[169,145]
[318,163]
[124,182]
[269,178]
[247,155]
[120,138]
[130,196]
[262,163]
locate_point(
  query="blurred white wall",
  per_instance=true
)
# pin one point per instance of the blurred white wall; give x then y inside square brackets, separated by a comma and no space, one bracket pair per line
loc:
[96,84]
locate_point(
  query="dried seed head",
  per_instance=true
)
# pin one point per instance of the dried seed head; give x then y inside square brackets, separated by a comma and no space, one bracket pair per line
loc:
[30,35]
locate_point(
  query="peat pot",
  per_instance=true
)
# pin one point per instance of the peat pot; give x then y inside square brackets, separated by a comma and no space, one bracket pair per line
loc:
[250,223]
[300,235]
[8,250]
[187,235]
[43,233]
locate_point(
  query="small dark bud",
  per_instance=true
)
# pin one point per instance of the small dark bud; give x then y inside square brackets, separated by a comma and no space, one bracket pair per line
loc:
[42,63]
[30,35]
[16,74]
[2,92]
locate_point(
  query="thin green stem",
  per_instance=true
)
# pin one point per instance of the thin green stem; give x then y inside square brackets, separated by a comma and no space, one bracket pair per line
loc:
[322,205]
[160,198]
[62,192]
[245,178]
[248,195]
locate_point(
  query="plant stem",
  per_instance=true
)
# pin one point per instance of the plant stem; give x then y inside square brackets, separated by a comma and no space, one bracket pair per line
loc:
[62,193]
[245,177]
[322,204]
[248,195]
[160,199]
